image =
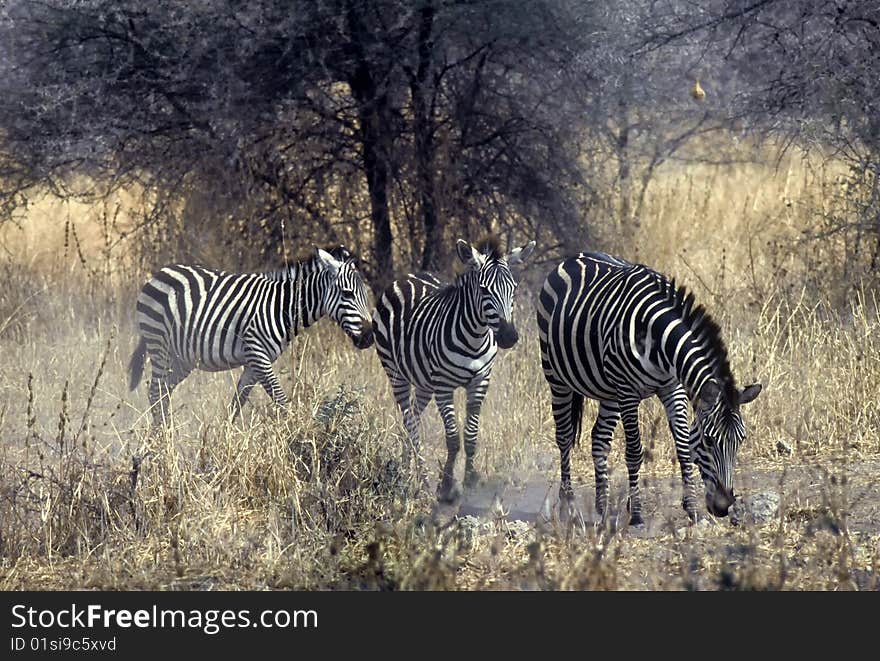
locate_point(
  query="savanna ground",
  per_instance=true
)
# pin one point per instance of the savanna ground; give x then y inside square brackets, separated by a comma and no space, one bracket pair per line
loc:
[314,497]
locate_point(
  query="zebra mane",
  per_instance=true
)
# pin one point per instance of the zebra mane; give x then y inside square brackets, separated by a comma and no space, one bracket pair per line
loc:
[708,333]
[283,270]
[490,245]
[308,258]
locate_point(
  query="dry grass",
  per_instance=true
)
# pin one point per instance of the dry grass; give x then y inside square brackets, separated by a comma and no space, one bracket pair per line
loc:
[314,498]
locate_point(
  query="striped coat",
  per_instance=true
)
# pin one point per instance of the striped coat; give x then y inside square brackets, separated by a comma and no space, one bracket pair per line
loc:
[192,317]
[618,333]
[433,338]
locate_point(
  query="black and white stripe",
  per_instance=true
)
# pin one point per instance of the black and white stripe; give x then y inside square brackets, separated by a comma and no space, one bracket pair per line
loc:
[192,317]
[436,338]
[618,333]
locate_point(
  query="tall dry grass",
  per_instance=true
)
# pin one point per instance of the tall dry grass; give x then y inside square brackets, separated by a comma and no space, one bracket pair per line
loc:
[314,497]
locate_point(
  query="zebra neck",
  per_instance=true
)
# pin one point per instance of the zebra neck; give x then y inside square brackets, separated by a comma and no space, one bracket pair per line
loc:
[681,353]
[470,314]
[305,294]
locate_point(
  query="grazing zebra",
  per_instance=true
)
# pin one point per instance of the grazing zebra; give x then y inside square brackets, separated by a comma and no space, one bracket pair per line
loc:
[437,337]
[191,317]
[618,333]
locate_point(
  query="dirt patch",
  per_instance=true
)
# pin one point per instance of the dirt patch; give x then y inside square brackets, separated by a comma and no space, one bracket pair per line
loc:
[813,494]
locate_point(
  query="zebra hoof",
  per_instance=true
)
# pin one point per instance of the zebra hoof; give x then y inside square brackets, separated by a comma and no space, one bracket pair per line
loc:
[636,520]
[471,479]
[567,510]
[448,492]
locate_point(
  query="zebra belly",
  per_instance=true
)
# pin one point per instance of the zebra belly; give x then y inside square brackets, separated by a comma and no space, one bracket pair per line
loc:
[201,348]
[604,380]
[436,375]
[218,366]
[191,358]
[580,366]
[462,373]
[586,384]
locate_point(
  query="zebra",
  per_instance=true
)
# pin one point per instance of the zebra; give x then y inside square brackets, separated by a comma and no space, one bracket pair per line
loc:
[619,333]
[192,317]
[437,337]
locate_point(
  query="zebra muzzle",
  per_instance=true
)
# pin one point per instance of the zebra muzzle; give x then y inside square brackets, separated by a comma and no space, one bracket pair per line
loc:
[506,335]
[720,501]
[364,339]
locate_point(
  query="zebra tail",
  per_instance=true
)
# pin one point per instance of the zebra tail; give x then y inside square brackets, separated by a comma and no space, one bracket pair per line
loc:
[136,365]
[577,416]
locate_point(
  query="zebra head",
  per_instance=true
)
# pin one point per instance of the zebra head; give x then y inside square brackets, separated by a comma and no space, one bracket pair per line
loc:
[345,296]
[496,285]
[716,436]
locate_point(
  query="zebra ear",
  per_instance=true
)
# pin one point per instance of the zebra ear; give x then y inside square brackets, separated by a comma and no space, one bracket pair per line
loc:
[520,255]
[708,394]
[466,253]
[329,262]
[749,393]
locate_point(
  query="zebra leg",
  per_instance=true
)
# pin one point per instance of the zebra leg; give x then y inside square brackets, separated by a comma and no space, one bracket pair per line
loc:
[476,393]
[402,391]
[446,491]
[600,437]
[157,394]
[634,455]
[676,403]
[246,383]
[266,377]
[259,361]
[420,402]
[157,391]
[163,381]
[565,436]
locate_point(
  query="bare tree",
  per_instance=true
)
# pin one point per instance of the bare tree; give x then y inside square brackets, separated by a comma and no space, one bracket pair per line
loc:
[390,124]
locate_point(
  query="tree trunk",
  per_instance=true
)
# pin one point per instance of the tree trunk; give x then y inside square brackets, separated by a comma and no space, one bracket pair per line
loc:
[423,127]
[376,169]
[373,117]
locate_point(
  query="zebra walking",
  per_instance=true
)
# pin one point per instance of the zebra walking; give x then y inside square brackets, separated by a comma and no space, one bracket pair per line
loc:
[619,333]
[437,337]
[191,317]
